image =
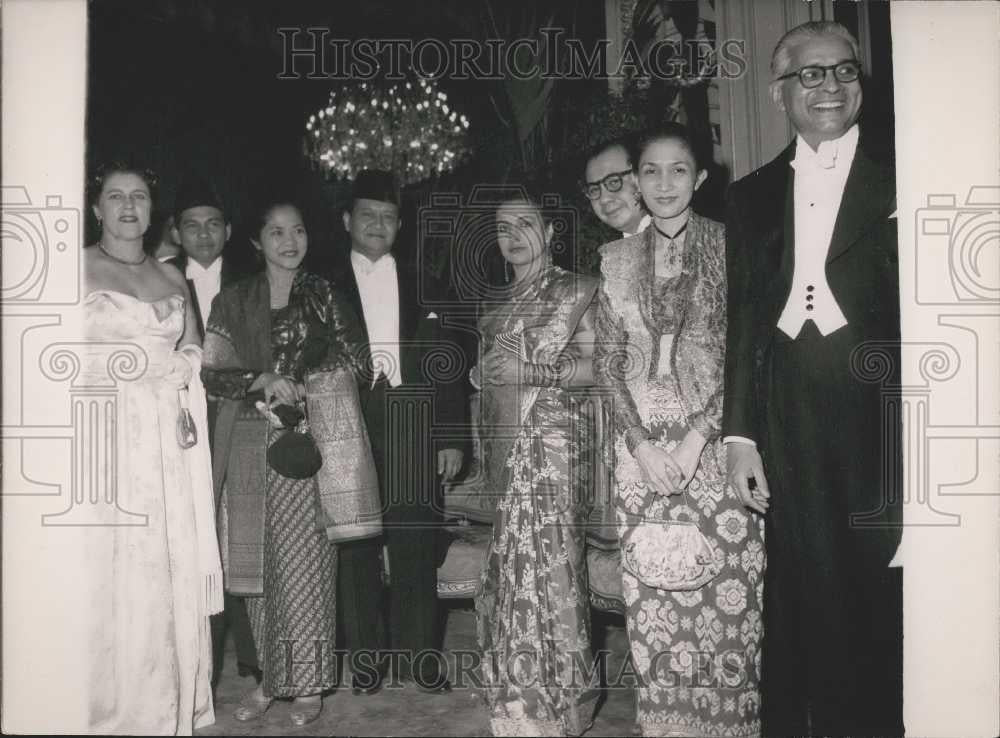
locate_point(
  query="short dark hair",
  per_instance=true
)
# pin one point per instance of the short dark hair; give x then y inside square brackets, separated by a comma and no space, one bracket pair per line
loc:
[101,173]
[625,143]
[672,131]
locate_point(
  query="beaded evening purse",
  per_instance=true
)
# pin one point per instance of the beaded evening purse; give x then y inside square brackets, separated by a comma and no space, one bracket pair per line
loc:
[668,554]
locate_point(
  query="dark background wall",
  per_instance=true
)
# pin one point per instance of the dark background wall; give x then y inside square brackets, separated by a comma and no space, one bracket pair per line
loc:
[193,86]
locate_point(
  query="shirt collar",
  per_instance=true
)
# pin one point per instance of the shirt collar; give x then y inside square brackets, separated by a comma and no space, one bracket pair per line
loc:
[194,270]
[830,154]
[363,265]
[643,225]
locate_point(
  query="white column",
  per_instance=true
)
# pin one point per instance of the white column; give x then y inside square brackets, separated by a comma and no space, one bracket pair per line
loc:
[945,63]
[44,68]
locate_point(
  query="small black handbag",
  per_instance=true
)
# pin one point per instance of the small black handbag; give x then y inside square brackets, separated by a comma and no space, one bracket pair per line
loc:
[295,454]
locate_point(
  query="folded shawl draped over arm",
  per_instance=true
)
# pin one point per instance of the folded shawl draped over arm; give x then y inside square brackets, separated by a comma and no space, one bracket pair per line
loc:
[238,346]
[347,346]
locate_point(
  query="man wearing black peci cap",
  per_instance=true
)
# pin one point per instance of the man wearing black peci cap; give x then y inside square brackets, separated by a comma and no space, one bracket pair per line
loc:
[406,401]
[202,227]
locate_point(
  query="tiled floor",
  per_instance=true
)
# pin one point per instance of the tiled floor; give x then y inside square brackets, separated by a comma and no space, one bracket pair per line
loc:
[405,711]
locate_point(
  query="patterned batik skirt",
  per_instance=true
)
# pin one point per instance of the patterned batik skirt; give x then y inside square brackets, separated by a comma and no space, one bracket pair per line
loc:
[294,622]
[696,654]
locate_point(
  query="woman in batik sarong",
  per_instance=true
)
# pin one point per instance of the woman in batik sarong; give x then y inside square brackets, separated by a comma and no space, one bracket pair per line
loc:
[532,603]
[661,328]
[263,334]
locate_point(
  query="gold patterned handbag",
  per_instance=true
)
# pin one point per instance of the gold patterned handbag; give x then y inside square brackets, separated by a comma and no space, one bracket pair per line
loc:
[668,554]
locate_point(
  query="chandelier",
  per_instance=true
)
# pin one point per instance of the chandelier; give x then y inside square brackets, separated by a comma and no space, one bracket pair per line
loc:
[407,128]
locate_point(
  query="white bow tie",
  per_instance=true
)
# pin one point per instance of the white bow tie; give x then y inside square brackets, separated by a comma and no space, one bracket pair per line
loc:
[824,157]
[384,264]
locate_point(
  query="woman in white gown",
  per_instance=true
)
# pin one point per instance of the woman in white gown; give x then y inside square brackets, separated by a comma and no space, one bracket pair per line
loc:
[154,570]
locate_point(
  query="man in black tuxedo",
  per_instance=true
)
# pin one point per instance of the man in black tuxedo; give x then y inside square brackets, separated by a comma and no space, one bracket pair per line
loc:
[411,396]
[813,299]
[202,228]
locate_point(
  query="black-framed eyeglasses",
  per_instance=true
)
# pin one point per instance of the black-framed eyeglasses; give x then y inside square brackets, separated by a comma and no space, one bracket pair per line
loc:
[814,75]
[612,183]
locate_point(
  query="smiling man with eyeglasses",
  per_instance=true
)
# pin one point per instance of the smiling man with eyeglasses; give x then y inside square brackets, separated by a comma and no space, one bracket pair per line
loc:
[610,185]
[819,87]
[811,444]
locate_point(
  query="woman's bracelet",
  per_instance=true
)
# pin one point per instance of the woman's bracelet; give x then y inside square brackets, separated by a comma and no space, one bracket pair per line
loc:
[635,436]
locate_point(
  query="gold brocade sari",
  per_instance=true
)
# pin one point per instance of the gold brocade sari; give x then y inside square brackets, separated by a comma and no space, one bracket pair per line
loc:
[533,605]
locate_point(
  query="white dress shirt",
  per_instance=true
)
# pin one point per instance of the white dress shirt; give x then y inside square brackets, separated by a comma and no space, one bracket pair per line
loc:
[207,283]
[643,225]
[820,177]
[379,290]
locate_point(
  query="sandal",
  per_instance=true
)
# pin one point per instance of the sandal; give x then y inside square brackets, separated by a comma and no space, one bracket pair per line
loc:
[251,707]
[303,712]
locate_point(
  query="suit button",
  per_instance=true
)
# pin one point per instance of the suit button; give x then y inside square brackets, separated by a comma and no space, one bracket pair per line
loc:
[809,307]
[809,298]
[809,288]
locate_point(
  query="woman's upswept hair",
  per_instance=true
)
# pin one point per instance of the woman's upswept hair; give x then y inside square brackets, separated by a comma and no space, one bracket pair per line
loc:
[530,193]
[672,131]
[95,183]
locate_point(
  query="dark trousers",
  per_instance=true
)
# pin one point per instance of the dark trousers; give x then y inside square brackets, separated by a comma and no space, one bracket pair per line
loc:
[359,595]
[233,619]
[399,428]
[832,651]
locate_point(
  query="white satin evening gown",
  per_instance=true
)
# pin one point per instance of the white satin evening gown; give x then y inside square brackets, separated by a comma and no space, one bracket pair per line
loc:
[149,656]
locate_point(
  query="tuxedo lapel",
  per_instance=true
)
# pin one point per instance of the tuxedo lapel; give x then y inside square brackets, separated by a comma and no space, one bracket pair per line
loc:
[775,231]
[867,195]
[348,284]
[788,229]
[409,303]
[196,307]
[180,261]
